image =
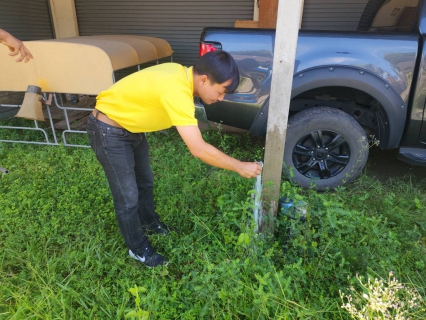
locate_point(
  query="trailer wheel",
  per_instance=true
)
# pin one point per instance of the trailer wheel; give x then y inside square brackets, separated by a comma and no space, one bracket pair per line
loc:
[325,148]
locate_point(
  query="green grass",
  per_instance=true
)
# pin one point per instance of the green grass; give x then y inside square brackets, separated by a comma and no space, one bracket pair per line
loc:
[62,256]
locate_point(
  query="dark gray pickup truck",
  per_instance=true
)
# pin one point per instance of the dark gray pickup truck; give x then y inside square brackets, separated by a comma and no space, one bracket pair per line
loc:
[349,89]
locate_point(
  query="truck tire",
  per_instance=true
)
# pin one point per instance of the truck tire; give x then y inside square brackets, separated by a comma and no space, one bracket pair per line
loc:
[325,148]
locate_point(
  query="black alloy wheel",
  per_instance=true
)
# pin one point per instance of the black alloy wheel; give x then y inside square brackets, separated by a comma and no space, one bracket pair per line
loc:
[321,154]
[325,148]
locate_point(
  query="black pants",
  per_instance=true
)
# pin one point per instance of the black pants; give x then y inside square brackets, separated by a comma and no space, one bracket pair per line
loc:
[125,159]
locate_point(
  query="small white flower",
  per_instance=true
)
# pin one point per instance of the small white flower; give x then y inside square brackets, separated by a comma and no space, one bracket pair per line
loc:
[383,300]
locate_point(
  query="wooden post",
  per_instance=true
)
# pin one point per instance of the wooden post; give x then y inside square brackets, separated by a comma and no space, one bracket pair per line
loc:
[64,18]
[279,105]
[268,13]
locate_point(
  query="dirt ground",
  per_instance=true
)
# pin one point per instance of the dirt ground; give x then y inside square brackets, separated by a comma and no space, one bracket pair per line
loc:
[383,164]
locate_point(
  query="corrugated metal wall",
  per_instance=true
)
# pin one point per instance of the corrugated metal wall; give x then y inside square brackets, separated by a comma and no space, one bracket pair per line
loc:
[178,22]
[339,15]
[26,19]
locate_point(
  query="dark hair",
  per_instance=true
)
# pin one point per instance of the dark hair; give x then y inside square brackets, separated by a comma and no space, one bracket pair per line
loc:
[219,67]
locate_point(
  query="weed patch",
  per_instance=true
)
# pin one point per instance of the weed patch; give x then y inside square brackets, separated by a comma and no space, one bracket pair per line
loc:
[62,255]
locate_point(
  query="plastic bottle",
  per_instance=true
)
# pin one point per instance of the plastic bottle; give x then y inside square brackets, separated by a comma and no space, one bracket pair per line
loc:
[293,210]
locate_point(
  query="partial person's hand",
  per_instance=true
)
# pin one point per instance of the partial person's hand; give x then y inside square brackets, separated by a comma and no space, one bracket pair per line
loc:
[250,169]
[17,47]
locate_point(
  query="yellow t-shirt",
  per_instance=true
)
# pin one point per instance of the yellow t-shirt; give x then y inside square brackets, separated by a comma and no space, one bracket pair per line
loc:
[152,99]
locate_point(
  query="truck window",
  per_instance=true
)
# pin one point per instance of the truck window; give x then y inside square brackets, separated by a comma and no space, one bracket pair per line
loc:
[360,15]
[396,15]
